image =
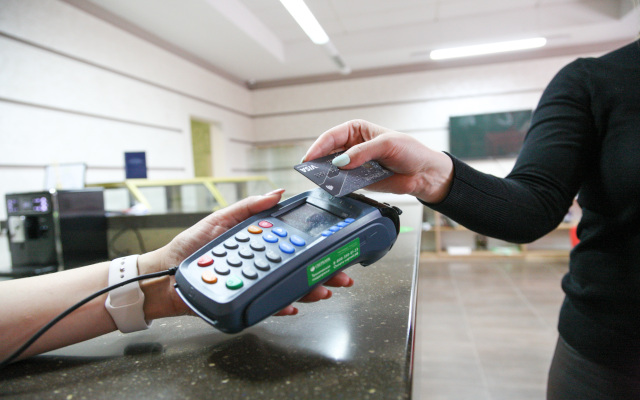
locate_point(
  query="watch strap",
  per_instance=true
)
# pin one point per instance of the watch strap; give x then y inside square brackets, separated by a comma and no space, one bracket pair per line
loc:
[125,304]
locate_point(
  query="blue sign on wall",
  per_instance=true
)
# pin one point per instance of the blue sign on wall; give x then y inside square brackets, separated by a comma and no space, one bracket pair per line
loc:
[135,164]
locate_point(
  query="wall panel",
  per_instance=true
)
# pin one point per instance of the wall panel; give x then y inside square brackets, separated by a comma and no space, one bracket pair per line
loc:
[74,88]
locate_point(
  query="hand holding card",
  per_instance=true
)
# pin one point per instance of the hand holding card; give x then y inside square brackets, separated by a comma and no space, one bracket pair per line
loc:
[340,182]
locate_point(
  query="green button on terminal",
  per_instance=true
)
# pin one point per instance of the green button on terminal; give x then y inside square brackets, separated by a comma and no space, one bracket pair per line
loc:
[234,283]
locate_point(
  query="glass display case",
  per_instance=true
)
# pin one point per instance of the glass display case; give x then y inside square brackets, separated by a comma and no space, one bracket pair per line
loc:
[204,194]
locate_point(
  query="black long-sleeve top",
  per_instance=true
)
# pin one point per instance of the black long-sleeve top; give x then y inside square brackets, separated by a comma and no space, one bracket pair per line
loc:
[584,138]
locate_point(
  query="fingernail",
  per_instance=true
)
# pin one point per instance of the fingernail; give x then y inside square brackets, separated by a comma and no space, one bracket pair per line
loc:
[342,160]
[328,295]
[295,311]
[271,193]
[302,159]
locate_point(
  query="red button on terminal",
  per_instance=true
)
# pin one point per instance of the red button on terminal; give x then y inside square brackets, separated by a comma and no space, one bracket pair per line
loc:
[265,224]
[205,261]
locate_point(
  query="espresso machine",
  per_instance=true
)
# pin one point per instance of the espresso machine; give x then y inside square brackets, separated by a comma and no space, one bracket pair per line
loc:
[54,230]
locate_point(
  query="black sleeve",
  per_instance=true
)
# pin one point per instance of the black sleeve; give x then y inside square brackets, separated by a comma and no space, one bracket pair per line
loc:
[533,199]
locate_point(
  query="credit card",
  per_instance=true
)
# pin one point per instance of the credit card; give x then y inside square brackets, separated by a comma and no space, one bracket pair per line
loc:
[340,182]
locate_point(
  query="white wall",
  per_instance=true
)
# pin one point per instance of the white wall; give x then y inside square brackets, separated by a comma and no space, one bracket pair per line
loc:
[74,88]
[416,103]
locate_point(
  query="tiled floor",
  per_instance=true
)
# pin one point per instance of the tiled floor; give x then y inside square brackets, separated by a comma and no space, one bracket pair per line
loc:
[486,329]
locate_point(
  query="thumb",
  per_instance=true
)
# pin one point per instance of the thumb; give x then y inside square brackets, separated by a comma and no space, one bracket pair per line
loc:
[238,212]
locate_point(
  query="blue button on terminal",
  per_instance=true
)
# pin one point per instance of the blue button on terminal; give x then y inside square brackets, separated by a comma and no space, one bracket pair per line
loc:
[279,231]
[269,238]
[297,240]
[286,248]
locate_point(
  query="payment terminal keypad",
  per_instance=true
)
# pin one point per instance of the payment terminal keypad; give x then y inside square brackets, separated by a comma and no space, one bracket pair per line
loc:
[251,253]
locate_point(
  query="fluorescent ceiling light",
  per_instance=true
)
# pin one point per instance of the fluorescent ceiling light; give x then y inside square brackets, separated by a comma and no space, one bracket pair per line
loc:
[489,48]
[307,21]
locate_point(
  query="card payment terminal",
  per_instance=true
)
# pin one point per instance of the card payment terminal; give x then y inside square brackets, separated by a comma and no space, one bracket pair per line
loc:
[275,257]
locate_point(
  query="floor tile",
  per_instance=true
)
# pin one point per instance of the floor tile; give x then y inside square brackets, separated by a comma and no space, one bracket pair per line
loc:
[486,329]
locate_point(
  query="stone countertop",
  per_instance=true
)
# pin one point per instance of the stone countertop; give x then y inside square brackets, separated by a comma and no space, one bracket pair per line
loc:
[358,344]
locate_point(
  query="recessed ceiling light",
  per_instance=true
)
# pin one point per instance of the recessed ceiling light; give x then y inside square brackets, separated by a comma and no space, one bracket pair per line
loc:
[488,48]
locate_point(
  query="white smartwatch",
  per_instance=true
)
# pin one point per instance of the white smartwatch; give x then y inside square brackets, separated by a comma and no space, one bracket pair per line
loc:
[125,303]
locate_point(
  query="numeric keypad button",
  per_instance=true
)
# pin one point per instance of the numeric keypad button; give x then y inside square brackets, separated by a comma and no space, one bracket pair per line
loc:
[231,244]
[273,256]
[234,261]
[249,273]
[242,237]
[245,253]
[256,245]
[219,252]
[222,269]
[261,264]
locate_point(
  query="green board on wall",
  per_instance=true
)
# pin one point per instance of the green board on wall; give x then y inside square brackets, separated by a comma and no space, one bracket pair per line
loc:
[488,135]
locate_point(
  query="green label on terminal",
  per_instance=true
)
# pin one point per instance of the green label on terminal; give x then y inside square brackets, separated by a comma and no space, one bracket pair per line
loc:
[333,262]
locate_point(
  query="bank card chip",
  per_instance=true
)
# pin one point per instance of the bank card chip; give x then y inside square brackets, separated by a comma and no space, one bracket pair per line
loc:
[340,182]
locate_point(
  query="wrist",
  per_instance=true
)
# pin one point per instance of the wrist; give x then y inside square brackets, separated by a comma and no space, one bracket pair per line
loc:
[437,178]
[125,303]
[161,299]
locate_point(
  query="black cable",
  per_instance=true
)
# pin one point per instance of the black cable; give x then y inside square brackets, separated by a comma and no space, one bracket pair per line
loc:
[36,336]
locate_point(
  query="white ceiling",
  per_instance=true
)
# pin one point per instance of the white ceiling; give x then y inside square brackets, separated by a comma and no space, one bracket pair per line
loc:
[258,43]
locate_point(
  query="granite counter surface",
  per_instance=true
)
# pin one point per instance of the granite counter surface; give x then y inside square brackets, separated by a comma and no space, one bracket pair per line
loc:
[357,345]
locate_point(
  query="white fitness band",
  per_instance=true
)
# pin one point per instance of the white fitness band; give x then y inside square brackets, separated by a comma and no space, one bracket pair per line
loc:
[125,303]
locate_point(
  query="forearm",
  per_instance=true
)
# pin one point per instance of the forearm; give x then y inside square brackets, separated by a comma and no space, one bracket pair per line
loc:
[30,303]
[508,209]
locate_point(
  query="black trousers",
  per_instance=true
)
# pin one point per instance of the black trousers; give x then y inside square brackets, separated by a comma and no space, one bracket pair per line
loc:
[572,376]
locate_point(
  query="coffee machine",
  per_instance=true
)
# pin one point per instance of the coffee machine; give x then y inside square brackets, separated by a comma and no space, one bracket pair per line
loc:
[54,230]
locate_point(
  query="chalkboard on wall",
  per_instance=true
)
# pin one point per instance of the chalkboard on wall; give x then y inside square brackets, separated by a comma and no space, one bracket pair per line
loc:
[496,135]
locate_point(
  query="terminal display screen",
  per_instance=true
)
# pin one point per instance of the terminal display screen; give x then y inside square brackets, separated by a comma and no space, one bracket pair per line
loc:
[310,219]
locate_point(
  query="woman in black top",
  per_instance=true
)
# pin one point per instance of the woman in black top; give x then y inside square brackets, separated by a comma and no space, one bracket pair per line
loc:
[584,138]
